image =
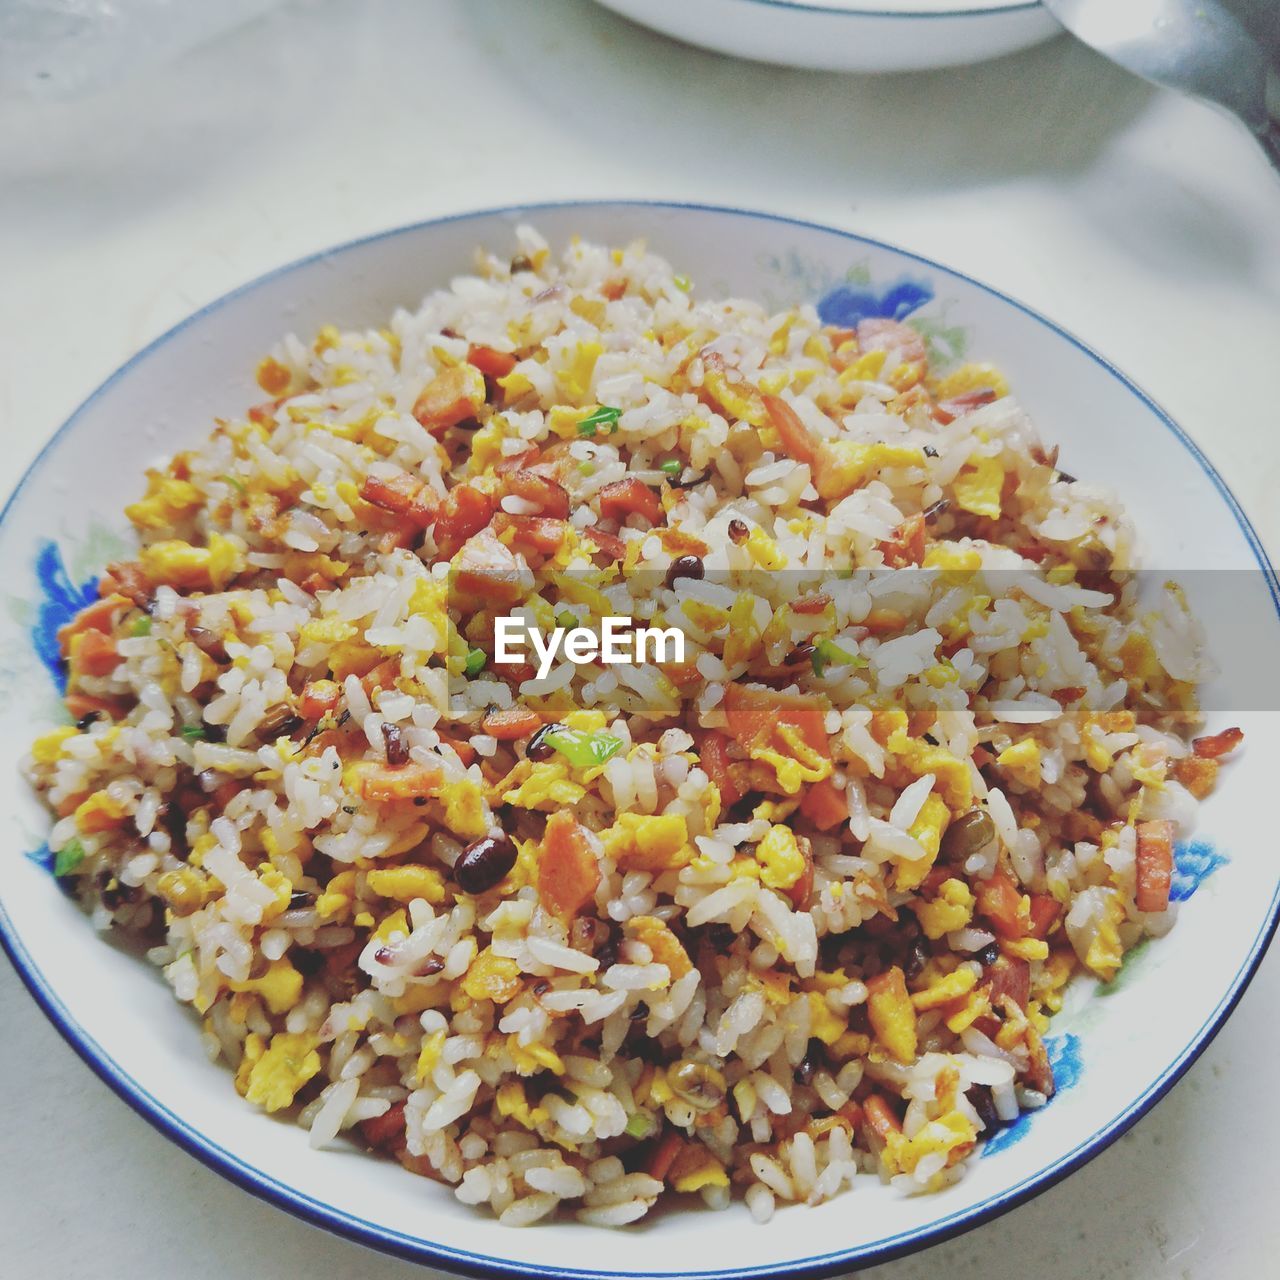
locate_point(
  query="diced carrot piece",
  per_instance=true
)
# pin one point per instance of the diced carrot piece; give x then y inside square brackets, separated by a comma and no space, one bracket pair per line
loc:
[1009,976]
[463,513]
[1215,745]
[797,439]
[906,547]
[880,1117]
[511,723]
[550,498]
[880,333]
[465,751]
[319,697]
[383,676]
[801,890]
[755,715]
[531,534]
[1154,864]
[999,902]
[1197,773]
[1045,910]
[664,1154]
[228,792]
[493,364]
[713,756]
[264,414]
[813,602]
[131,581]
[825,804]
[948,411]
[385,1129]
[610,545]
[628,497]
[99,616]
[403,495]
[450,397]
[568,873]
[384,784]
[91,653]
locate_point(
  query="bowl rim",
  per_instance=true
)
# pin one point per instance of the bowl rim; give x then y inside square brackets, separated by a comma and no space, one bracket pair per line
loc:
[969,9]
[417,1249]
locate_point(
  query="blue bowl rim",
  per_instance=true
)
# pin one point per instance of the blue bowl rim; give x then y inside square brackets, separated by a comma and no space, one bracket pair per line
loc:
[969,11]
[415,1248]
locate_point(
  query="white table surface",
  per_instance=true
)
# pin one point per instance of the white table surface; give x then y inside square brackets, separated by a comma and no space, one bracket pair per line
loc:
[1143,222]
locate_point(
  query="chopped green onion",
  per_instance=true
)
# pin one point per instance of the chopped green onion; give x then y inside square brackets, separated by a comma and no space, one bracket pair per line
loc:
[141,627]
[69,858]
[193,732]
[640,1125]
[584,749]
[238,485]
[827,653]
[603,418]
[672,466]
[587,468]
[565,619]
[474,665]
[683,283]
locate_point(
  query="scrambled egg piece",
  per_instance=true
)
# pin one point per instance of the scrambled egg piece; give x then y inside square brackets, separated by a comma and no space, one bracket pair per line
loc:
[513,1103]
[465,812]
[696,1168]
[803,765]
[492,977]
[546,786]
[280,986]
[846,465]
[168,500]
[951,909]
[972,377]
[532,1058]
[639,842]
[405,883]
[664,944]
[977,487]
[47,749]
[429,1056]
[1022,762]
[1106,952]
[781,861]
[892,1015]
[953,1135]
[575,377]
[927,832]
[959,982]
[824,1024]
[198,568]
[287,1064]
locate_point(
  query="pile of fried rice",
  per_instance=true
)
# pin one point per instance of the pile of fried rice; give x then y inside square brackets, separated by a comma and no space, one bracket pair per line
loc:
[785,916]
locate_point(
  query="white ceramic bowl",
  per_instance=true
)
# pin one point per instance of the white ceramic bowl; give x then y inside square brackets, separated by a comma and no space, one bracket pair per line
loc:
[1116,1054]
[850,35]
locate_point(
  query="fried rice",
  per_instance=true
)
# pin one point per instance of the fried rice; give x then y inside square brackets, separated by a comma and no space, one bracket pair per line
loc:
[786,915]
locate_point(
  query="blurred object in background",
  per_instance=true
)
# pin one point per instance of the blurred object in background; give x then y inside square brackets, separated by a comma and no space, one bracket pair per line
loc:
[61,48]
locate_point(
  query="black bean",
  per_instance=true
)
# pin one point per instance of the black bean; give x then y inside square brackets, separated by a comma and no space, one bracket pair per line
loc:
[691,483]
[1066,478]
[969,833]
[520,263]
[935,509]
[930,451]
[397,751]
[538,748]
[277,721]
[300,898]
[988,955]
[739,531]
[85,721]
[811,1063]
[428,967]
[484,862]
[540,988]
[984,1105]
[685,567]
[215,732]
[917,958]
[208,642]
